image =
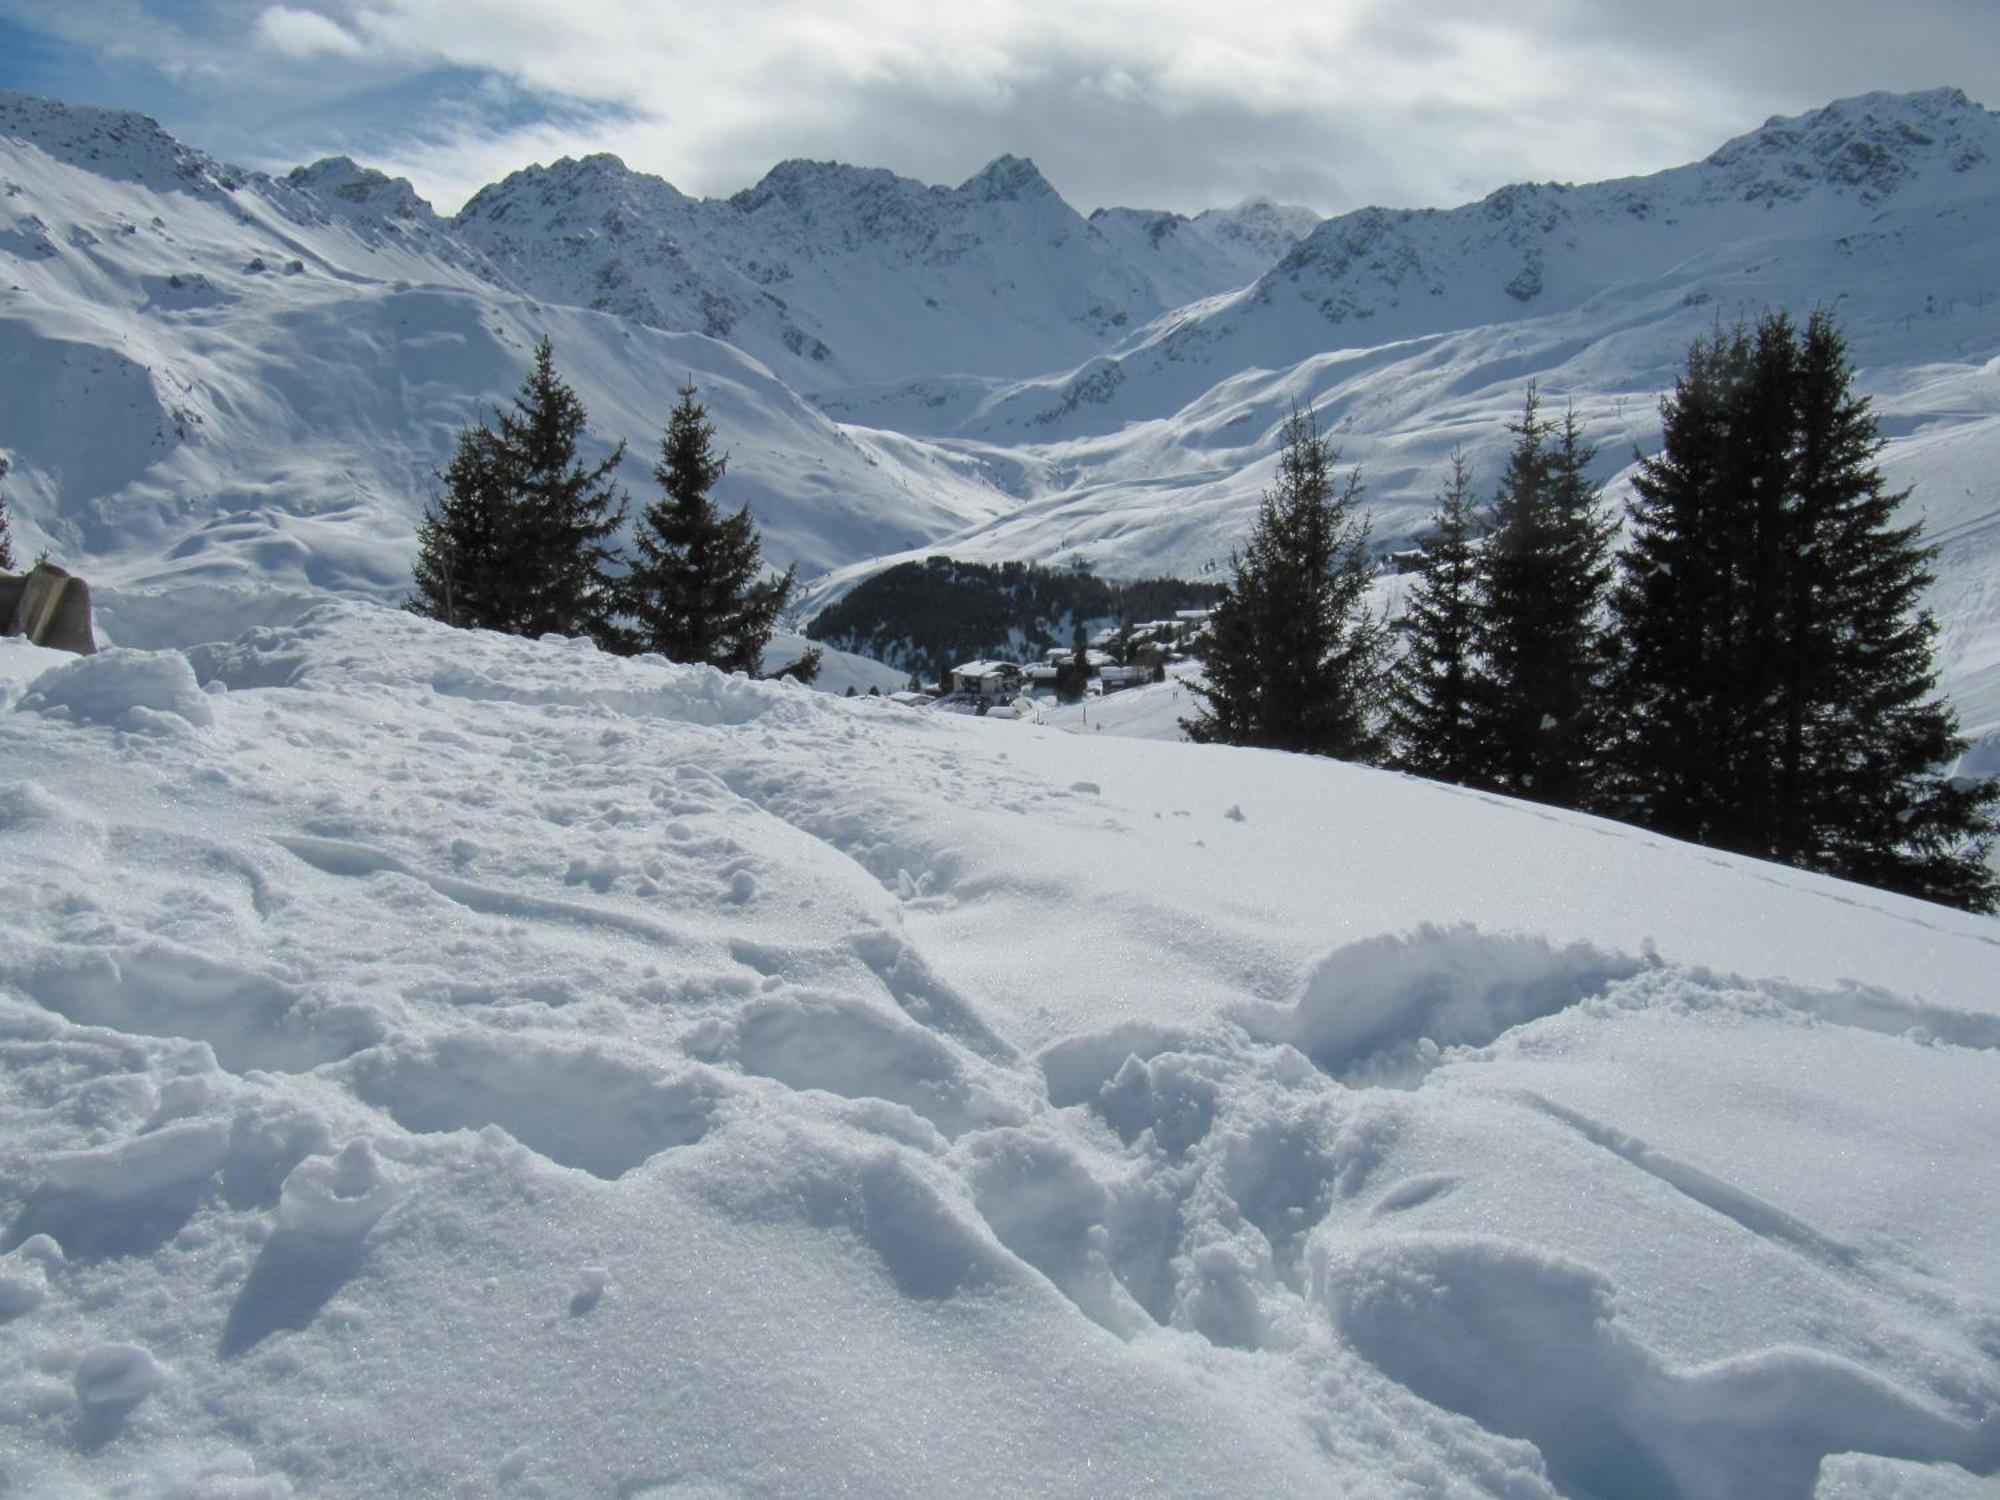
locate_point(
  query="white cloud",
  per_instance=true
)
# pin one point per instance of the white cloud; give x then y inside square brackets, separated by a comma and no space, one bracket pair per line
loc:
[305,33]
[1167,103]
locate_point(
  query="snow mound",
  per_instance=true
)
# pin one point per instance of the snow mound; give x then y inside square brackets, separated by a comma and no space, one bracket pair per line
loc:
[1528,1343]
[935,1106]
[1382,1010]
[116,1375]
[145,692]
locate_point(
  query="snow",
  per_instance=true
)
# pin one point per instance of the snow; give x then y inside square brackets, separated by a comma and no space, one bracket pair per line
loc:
[438,1063]
[208,374]
[462,1064]
[138,690]
[1151,711]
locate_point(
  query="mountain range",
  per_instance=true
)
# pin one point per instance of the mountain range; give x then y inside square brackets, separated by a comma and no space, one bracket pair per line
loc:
[215,373]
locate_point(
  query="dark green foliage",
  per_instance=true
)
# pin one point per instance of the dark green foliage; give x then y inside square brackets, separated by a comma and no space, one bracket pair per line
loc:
[519,540]
[930,616]
[1294,659]
[1680,708]
[805,669]
[570,511]
[6,542]
[467,541]
[1537,698]
[1430,709]
[1159,598]
[1073,677]
[696,591]
[1777,676]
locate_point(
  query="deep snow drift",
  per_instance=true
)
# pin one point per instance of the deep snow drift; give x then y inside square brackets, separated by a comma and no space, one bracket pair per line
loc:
[435,1063]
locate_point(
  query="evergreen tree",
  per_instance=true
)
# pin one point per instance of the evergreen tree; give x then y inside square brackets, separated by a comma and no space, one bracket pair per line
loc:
[1865,736]
[566,513]
[517,541]
[1073,677]
[466,542]
[1677,643]
[1544,571]
[1294,659]
[1430,712]
[1767,532]
[802,669]
[6,542]
[695,591]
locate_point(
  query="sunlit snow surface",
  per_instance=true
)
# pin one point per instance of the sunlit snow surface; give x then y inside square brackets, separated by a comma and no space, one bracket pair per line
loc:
[442,1064]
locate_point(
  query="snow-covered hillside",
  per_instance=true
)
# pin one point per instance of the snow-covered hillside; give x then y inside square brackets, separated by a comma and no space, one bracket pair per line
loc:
[215,374]
[438,1063]
[207,373]
[836,275]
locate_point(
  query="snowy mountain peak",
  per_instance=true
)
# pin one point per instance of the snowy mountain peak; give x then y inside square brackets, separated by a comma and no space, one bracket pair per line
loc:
[1007,179]
[119,145]
[801,184]
[1271,228]
[1872,144]
[339,179]
[569,190]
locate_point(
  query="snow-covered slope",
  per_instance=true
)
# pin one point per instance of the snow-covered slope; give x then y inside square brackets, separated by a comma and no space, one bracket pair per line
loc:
[1415,332]
[1217,251]
[836,275]
[211,373]
[438,1063]
[207,372]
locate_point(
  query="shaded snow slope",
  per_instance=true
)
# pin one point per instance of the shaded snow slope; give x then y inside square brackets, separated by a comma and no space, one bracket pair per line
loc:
[435,1062]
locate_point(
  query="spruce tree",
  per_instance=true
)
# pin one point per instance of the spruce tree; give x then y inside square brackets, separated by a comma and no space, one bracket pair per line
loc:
[518,539]
[1866,738]
[1294,658]
[696,590]
[567,513]
[466,542]
[802,669]
[1676,719]
[1430,710]
[1544,572]
[1778,672]
[6,542]
[1073,677]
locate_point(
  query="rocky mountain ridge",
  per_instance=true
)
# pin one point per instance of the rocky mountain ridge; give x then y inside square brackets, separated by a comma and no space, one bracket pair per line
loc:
[212,372]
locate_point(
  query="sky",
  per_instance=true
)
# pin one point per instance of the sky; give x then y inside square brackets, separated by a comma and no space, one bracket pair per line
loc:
[1179,104]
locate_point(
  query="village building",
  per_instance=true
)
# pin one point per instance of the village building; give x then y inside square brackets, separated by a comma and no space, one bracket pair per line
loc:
[988,681]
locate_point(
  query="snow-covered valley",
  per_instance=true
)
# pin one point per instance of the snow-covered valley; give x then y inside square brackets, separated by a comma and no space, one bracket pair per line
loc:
[443,1063]
[209,373]
[438,1063]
